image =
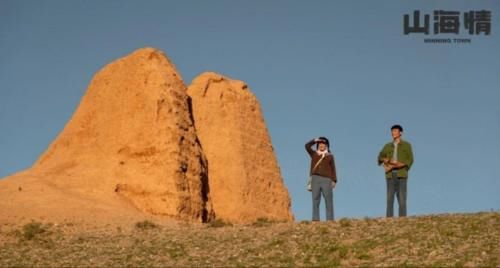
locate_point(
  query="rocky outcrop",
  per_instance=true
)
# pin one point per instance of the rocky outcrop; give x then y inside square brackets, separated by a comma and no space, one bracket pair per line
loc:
[244,176]
[132,136]
[131,148]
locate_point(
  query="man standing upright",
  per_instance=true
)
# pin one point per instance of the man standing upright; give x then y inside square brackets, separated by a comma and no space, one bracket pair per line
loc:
[397,159]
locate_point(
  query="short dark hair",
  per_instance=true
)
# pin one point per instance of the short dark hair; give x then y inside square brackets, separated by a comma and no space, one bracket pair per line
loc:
[397,127]
[324,140]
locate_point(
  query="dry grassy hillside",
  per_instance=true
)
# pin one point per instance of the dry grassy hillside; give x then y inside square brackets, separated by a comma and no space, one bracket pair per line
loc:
[442,240]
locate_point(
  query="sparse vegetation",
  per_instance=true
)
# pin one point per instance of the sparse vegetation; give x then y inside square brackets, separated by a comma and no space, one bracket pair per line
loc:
[345,222]
[445,240]
[217,223]
[145,225]
[262,222]
[33,230]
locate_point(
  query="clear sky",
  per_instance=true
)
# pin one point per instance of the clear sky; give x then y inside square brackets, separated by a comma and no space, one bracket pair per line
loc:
[341,69]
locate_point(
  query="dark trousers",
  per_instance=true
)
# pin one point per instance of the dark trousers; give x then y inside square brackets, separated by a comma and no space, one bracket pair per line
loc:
[396,186]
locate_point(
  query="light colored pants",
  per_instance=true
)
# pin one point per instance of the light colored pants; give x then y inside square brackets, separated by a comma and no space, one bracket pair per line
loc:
[322,185]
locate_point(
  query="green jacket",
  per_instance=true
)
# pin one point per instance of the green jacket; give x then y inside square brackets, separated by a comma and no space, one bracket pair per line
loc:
[405,156]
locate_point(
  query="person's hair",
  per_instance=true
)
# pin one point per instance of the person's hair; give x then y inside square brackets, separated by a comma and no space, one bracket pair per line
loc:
[397,127]
[325,141]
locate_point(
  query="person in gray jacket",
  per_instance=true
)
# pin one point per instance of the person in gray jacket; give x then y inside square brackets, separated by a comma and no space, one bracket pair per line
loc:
[323,176]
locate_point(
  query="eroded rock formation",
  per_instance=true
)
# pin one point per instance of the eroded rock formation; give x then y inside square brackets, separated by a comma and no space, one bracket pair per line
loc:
[244,176]
[132,148]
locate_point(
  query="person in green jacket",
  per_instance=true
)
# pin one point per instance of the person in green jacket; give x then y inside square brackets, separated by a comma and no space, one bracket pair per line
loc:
[397,159]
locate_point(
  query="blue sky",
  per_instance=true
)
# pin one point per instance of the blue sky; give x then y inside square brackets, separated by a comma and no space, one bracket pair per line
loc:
[341,69]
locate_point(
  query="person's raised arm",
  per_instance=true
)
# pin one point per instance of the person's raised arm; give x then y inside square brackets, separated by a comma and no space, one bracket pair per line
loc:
[310,143]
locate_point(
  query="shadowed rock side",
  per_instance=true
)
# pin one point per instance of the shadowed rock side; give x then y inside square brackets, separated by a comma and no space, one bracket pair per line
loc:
[131,141]
[244,176]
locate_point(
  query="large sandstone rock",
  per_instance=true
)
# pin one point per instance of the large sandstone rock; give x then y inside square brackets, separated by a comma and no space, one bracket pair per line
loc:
[132,149]
[131,140]
[244,176]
